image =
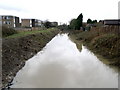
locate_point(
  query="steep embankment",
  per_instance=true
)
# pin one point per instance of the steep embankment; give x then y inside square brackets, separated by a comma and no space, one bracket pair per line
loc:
[15,51]
[103,41]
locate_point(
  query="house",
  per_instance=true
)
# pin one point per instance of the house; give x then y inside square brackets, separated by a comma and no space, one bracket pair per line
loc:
[30,23]
[112,22]
[10,21]
[54,24]
[37,23]
[26,23]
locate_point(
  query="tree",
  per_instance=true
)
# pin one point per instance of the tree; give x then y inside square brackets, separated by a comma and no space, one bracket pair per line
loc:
[79,21]
[73,24]
[47,24]
[100,20]
[63,27]
[94,21]
[89,21]
[76,23]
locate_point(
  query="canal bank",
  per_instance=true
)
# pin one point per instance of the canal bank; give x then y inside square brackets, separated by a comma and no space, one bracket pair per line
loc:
[15,51]
[61,65]
[103,42]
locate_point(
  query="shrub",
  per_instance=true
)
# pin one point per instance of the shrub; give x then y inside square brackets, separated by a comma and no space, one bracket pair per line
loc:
[8,31]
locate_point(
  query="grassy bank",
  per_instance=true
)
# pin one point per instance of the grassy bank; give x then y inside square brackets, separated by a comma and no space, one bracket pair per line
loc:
[103,42]
[18,48]
[26,33]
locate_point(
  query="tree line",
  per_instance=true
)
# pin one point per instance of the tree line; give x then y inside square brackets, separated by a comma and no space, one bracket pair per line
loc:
[77,23]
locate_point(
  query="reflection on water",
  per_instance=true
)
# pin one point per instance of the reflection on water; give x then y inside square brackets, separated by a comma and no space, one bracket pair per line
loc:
[61,65]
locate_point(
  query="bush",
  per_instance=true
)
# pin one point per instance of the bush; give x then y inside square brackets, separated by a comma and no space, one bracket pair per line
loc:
[8,31]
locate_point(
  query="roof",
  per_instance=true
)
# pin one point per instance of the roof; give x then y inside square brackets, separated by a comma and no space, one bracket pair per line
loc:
[8,15]
[30,19]
[111,20]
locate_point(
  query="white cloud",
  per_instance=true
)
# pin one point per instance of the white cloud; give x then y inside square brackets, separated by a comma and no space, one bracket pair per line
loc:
[60,10]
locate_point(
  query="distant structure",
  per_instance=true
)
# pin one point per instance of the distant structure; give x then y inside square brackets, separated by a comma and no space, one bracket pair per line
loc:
[30,23]
[54,24]
[111,22]
[23,24]
[10,21]
[37,23]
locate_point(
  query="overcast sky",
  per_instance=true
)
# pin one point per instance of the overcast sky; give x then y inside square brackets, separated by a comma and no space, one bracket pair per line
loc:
[60,10]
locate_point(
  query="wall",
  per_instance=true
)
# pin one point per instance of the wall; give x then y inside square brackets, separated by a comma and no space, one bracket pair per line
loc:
[11,20]
[25,22]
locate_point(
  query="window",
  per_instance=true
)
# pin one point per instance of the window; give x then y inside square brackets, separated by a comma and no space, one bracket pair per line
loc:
[4,22]
[7,17]
[3,17]
[7,22]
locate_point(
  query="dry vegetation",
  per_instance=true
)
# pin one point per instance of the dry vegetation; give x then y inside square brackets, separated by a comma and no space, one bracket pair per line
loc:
[8,31]
[18,48]
[104,41]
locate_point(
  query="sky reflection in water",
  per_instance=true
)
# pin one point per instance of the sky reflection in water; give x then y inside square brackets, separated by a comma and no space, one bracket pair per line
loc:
[61,65]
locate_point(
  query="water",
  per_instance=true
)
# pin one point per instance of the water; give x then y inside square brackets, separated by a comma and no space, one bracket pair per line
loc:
[61,65]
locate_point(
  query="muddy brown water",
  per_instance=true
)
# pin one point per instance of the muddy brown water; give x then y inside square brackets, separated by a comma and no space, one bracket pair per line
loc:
[61,65]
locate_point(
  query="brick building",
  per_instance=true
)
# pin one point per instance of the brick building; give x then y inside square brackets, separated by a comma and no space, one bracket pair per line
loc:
[30,23]
[9,21]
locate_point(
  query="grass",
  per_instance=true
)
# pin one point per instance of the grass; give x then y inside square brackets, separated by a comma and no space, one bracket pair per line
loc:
[25,33]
